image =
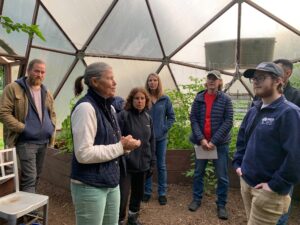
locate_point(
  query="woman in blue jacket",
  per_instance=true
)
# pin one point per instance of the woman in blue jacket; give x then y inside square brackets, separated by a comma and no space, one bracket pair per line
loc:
[211,120]
[163,117]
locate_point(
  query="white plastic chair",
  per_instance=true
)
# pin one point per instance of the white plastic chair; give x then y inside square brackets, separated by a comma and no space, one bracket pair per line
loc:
[18,203]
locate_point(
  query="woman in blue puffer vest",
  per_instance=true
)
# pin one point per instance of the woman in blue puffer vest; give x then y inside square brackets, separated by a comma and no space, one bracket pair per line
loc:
[97,143]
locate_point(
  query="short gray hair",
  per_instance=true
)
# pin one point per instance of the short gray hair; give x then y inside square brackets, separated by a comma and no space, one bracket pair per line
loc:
[95,70]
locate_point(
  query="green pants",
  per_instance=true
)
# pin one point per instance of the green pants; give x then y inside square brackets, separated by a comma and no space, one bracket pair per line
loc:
[95,206]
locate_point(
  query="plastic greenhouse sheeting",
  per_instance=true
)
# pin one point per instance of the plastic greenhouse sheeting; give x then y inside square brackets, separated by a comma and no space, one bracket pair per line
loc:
[176,39]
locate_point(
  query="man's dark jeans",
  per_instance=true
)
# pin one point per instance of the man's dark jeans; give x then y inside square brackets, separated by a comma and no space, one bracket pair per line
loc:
[221,170]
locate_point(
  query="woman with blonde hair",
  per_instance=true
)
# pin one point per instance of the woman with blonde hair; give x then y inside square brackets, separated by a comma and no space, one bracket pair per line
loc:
[163,117]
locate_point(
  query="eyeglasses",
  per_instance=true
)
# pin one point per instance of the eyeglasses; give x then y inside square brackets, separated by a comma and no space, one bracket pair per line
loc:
[260,78]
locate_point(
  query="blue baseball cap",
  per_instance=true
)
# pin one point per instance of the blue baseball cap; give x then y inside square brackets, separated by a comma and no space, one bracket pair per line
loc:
[269,67]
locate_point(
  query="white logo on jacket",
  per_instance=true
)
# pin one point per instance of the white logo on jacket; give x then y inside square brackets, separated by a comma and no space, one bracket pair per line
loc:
[267,121]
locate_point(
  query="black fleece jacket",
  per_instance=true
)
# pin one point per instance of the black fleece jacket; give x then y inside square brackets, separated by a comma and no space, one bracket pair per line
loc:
[140,126]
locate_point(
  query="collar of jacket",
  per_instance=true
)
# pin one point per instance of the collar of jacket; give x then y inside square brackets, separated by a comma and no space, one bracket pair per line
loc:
[137,112]
[200,95]
[161,98]
[106,102]
[273,105]
[22,83]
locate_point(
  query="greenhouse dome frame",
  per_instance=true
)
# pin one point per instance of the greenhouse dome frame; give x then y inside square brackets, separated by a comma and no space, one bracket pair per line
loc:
[176,39]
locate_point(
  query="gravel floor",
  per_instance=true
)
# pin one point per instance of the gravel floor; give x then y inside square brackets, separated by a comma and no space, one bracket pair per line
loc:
[61,211]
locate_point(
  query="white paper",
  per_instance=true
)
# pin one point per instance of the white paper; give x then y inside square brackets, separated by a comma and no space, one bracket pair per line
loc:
[203,154]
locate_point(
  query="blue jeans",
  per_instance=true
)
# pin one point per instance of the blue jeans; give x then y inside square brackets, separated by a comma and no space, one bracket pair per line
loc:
[95,206]
[284,218]
[221,170]
[161,149]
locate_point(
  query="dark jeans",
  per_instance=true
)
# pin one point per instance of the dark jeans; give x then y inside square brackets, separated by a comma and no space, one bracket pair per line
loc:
[221,170]
[284,218]
[161,149]
[133,182]
[31,157]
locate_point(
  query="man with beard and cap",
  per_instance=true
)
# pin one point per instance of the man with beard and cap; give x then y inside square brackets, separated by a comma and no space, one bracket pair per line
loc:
[27,112]
[267,156]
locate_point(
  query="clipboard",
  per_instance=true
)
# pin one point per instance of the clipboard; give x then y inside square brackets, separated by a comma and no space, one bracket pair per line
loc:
[203,154]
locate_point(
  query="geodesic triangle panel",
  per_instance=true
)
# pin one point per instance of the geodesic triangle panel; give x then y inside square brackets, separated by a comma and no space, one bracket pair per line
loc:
[165,75]
[177,20]
[237,88]
[196,52]
[55,39]
[128,73]
[56,67]
[81,19]
[16,43]
[66,94]
[286,10]
[127,31]
[279,41]
[183,73]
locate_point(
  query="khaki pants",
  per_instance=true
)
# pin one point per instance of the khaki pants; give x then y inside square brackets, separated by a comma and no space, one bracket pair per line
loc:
[263,207]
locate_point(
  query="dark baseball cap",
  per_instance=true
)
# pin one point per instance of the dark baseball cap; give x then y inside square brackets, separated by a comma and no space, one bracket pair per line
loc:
[216,73]
[269,67]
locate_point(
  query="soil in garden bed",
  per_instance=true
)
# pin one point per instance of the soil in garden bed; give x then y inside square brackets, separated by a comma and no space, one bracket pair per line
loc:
[61,210]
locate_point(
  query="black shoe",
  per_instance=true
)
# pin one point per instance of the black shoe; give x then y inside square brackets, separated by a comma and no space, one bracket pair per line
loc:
[130,222]
[222,213]
[146,198]
[194,205]
[162,200]
[122,222]
[133,219]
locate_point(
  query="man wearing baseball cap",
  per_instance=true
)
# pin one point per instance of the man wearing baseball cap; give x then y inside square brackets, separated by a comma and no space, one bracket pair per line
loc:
[211,120]
[267,156]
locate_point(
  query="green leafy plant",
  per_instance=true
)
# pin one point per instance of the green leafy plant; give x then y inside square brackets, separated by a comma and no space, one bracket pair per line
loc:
[64,140]
[182,101]
[240,108]
[295,78]
[9,25]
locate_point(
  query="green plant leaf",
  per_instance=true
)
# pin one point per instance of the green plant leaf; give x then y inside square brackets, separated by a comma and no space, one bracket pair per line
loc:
[32,30]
